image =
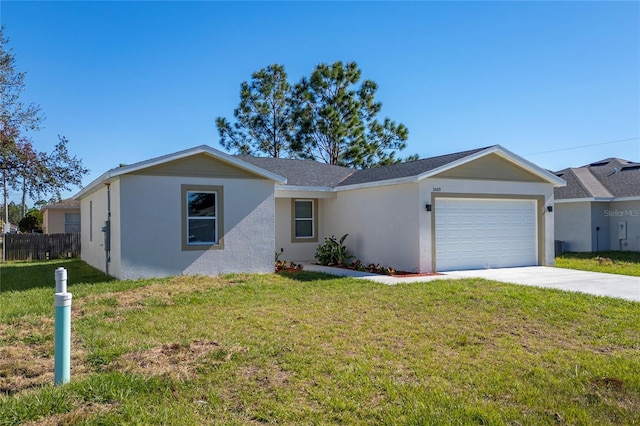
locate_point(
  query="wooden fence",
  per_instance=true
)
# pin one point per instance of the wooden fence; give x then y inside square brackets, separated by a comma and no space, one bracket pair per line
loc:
[41,246]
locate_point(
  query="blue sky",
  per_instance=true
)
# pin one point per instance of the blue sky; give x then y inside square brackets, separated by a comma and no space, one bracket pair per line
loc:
[127,81]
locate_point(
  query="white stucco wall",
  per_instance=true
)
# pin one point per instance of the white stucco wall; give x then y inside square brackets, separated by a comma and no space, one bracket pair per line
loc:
[92,237]
[151,246]
[628,211]
[470,187]
[381,223]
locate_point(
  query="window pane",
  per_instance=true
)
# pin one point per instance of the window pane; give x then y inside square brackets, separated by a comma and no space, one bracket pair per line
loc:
[202,231]
[304,228]
[304,209]
[72,218]
[202,204]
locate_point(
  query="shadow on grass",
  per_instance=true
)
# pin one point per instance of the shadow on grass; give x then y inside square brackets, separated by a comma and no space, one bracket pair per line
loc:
[19,276]
[306,276]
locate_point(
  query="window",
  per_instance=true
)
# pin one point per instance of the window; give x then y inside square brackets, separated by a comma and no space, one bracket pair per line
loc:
[71,222]
[304,226]
[201,217]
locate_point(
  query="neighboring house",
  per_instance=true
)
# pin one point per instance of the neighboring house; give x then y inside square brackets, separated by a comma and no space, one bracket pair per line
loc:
[62,217]
[201,211]
[599,209]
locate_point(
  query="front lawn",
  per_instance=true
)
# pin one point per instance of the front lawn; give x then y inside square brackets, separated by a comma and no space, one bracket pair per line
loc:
[307,348]
[612,262]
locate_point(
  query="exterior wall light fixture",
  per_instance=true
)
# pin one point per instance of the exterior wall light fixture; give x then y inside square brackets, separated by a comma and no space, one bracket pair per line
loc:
[549,209]
[428,206]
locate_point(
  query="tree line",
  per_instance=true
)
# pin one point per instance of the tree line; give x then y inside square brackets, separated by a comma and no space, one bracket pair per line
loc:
[35,174]
[330,116]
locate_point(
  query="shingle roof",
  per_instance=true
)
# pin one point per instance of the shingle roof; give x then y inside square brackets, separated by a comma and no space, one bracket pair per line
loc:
[313,173]
[401,170]
[301,172]
[68,203]
[608,178]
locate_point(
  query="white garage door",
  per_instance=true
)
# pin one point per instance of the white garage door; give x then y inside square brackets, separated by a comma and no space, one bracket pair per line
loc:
[485,233]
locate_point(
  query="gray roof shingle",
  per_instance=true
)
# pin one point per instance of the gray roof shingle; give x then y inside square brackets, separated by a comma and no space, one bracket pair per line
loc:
[608,178]
[301,172]
[402,170]
[68,203]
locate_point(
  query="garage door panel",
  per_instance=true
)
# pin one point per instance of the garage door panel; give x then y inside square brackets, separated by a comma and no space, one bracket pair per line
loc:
[484,233]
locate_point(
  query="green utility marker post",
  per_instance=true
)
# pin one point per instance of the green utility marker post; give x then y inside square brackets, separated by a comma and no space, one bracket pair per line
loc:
[62,336]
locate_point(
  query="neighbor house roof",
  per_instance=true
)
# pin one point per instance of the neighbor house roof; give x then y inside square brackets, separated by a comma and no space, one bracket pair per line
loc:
[606,179]
[68,203]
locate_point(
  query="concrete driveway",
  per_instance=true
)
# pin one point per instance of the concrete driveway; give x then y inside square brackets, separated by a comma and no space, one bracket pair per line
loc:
[599,284]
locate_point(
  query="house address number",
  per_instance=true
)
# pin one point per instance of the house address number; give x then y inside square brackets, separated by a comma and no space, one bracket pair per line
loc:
[437,189]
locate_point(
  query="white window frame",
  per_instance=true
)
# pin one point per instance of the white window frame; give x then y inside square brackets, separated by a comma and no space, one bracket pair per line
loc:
[312,219]
[217,244]
[213,218]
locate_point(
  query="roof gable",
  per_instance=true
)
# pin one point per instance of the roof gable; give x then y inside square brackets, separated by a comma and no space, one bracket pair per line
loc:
[173,163]
[491,167]
[199,165]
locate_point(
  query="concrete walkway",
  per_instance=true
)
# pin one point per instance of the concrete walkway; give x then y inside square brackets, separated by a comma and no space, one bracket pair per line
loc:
[596,283]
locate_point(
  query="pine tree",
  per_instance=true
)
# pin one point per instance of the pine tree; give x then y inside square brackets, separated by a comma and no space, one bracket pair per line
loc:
[263,120]
[336,119]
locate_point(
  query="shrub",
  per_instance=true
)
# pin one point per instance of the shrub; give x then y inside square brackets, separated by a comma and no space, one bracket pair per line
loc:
[333,252]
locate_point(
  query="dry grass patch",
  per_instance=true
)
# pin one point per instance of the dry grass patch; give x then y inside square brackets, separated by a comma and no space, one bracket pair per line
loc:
[26,366]
[175,360]
[159,294]
[78,415]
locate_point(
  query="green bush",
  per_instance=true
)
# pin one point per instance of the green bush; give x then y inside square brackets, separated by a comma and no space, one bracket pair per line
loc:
[333,252]
[29,223]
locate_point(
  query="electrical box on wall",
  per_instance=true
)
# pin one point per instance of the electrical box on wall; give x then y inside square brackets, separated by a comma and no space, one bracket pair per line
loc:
[622,230]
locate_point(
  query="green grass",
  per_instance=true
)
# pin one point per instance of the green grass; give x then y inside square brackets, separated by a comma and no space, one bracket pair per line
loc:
[313,349]
[41,274]
[612,262]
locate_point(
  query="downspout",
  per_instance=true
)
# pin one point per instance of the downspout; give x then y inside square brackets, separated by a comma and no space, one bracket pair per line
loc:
[107,230]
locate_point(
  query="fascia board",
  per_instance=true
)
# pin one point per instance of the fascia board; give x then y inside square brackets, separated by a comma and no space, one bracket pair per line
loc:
[634,198]
[387,182]
[106,177]
[582,200]
[304,192]
[304,188]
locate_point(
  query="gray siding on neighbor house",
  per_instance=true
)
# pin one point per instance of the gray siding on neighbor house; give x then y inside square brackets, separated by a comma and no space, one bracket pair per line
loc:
[573,225]
[629,212]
